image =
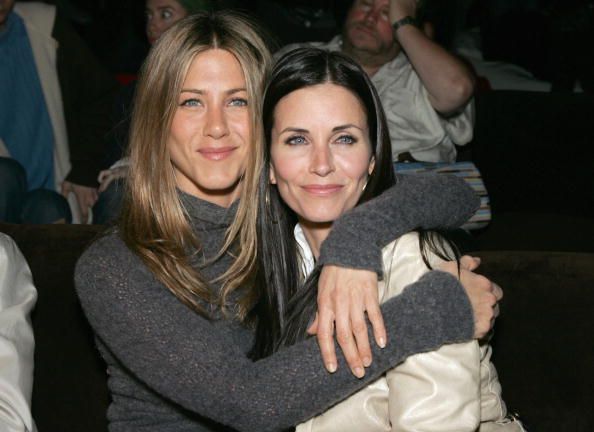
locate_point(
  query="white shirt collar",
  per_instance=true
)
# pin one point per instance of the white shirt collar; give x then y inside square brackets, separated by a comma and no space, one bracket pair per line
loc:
[308,261]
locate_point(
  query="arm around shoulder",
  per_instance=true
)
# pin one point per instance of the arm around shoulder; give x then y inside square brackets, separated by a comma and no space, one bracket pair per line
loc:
[416,201]
[198,367]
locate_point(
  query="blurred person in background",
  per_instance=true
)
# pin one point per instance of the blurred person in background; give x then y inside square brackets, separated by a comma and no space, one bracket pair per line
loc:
[425,91]
[55,105]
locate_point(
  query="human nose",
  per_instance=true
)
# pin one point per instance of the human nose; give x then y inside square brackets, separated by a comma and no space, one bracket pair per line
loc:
[322,162]
[368,18]
[216,123]
[152,28]
[371,15]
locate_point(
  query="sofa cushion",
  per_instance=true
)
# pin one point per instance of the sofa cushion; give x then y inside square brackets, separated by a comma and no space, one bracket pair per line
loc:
[542,346]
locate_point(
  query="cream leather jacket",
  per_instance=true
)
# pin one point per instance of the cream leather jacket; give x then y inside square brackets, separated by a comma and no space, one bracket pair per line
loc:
[453,389]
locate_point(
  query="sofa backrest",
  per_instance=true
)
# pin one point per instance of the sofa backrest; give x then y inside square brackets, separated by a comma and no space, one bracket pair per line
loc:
[535,152]
[70,382]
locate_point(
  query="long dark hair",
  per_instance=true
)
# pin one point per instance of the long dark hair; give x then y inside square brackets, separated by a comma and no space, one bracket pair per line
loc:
[288,298]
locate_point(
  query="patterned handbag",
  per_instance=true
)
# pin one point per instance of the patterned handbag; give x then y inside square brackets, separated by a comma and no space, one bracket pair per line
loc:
[469,172]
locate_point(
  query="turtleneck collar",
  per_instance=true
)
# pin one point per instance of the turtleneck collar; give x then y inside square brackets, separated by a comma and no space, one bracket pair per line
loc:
[206,213]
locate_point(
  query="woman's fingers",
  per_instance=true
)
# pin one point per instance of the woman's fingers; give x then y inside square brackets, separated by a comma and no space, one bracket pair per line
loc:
[344,295]
[359,328]
[469,263]
[312,330]
[325,337]
[482,292]
[376,318]
[345,336]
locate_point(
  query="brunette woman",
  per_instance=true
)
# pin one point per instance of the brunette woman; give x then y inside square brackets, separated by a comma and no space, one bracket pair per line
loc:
[327,151]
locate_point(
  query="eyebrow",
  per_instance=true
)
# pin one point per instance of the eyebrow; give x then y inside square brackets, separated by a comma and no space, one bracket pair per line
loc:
[158,8]
[294,129]
[201,92]
[346,126]
[334,129]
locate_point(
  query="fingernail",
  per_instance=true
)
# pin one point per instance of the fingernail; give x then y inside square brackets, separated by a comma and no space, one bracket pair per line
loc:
[331,367]
[366,361]
[382,342]
[359,372]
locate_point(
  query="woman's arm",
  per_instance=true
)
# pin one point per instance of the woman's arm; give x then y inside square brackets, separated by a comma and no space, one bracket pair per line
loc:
[427,201]
[346,296]
[186,359]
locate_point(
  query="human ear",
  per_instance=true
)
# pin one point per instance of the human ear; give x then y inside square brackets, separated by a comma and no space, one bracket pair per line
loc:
[371,165]
[271,174]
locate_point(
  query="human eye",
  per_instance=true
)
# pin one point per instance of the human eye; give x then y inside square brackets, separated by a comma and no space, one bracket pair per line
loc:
[365,4]
[346,139]
[167,14]
[238,102]
[190,102]
[295,140]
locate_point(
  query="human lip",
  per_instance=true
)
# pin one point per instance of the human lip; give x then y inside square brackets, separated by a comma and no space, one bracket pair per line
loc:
[216,153]
[365,29]
[322,189]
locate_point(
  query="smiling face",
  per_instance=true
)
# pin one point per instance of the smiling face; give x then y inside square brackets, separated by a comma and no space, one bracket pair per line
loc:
[160,15]
[320,152]
[367,28]
[209,136]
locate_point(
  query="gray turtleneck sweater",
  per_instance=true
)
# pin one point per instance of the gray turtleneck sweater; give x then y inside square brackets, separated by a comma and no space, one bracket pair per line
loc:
[171,370]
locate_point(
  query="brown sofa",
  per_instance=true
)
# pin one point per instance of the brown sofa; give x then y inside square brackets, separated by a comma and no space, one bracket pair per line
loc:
[543,340]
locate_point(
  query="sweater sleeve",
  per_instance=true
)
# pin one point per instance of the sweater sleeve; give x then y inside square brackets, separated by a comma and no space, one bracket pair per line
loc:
[184,358]
[416,201]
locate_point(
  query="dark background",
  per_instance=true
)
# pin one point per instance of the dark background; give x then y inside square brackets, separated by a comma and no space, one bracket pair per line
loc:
[542,36]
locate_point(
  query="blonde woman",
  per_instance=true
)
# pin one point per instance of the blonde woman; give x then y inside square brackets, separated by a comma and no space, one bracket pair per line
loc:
[171,293]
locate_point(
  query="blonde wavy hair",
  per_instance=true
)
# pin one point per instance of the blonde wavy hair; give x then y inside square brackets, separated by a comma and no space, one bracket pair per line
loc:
[153,222]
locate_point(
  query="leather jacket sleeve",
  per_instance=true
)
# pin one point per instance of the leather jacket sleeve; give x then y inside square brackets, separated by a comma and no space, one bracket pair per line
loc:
[454,388]
[437,390]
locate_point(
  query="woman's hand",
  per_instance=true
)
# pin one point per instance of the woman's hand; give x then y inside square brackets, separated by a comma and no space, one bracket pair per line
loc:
[344,295]
[483,293]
